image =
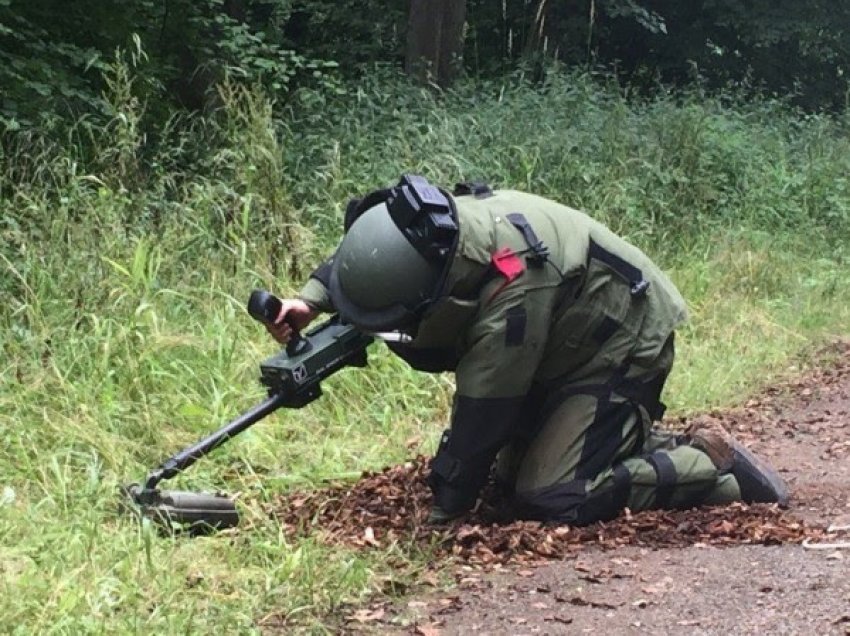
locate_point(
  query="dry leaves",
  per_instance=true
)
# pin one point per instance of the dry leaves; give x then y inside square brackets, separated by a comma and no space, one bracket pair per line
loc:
[391,505]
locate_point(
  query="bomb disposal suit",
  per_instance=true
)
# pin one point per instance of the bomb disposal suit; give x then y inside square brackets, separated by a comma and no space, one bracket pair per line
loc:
[560,335]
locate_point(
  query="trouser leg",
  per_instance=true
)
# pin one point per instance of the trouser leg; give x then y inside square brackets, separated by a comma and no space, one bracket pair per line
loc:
[661,440]
[580,440]
[682,477]
[595,453]
[586,464]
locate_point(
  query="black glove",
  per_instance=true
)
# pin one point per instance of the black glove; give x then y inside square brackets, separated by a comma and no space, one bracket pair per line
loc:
[480,427]
[455,484]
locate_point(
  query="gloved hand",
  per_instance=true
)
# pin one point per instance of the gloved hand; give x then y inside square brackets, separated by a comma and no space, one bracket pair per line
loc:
[439,516]
[299,314]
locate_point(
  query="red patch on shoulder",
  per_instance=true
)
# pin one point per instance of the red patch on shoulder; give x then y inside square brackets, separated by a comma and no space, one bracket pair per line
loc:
[509,265]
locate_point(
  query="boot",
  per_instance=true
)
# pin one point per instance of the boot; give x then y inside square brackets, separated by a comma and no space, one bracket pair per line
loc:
[758,481]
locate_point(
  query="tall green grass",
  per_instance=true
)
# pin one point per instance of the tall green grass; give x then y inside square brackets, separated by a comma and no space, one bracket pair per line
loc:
[126,260]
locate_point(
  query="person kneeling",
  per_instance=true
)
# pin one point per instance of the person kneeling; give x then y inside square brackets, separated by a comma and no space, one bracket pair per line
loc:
[561,337]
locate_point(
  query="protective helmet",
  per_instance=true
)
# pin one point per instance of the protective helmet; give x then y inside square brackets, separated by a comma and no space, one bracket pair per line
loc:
[391,262]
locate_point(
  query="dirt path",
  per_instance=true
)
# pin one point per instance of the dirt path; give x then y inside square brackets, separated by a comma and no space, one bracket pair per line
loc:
[735,590]
[804,429]
[738,570]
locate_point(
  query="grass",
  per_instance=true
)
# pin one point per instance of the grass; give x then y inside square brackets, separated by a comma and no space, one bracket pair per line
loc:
[124,335]
[759,308]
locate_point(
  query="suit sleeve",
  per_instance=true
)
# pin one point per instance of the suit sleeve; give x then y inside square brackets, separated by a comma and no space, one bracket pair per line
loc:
[315,291]
[505,346]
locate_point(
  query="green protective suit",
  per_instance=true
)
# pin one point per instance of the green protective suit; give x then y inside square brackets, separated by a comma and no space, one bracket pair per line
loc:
[560,334]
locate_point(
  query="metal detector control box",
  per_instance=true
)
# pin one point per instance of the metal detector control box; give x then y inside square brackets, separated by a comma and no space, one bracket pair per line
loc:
[333,345]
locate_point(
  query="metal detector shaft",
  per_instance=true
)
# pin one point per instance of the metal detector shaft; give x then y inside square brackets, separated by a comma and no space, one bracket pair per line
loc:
[293,378]
[188,456]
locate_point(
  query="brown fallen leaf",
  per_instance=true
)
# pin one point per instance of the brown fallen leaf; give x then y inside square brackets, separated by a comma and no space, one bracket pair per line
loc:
[428,630]
[431,579]
[449,605]
[592,578]
[369,537]
[366,615]
[582,602]
[566,620]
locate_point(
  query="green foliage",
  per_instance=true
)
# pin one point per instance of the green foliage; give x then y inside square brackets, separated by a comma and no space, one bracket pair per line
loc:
[248,41]
[785,47]
[352,32]
[631,10]
[52,54]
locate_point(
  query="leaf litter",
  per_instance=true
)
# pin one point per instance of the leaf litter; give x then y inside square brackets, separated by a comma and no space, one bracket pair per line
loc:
[391,506]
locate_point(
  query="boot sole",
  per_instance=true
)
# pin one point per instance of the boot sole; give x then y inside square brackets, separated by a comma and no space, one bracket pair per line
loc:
[759,482]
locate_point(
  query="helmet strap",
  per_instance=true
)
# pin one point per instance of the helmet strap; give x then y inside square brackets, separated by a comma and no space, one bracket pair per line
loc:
[356,207]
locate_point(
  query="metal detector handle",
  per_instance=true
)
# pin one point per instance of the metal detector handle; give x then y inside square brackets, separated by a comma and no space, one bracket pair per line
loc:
[189,456]
[265,307]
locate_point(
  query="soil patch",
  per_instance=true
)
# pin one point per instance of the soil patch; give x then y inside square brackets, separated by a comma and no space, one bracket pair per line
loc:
[738,569]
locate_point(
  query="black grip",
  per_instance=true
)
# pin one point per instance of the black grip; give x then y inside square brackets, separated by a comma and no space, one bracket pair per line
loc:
[265,307]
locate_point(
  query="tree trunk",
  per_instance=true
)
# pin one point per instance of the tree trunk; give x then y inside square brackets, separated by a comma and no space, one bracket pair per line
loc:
[435,40]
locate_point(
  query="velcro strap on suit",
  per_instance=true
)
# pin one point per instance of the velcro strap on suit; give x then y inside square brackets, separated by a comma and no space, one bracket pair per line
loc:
[622,486]
[628,272]
[515,323]
[539,252]
[667,475]
[607,328]
[646,394]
